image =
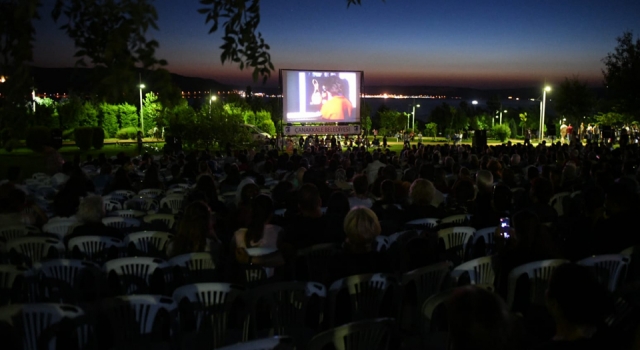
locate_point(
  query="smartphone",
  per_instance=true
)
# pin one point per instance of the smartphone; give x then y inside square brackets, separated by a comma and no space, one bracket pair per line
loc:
[505,223]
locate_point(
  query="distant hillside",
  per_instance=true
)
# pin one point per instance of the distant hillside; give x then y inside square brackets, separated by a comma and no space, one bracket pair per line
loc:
[62,80]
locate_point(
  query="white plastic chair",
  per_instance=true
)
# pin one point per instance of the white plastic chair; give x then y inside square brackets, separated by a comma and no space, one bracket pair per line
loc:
[428,280]
[557,202]
[457,238]
[382,243]
[608,268]
[366,292]
[141,203]
[8,275]
[120,223]
[427,223]
[193,261]
[174,202]
[135,273]
[149,242]
[211,302]
[177,191]
[11,232]
[111,205]
[539,273]
[35,248]
[459,219]
[151,193]
[128,213]
[487,235]
[64,273]
[279,212]
[60,228]
[167,219]
[367,334]
[270,343]
[36,319]
[123,193]
[134,316]
[93,247]
[480,272]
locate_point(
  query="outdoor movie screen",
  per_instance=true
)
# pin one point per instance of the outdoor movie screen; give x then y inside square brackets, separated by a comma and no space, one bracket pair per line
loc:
[321,96]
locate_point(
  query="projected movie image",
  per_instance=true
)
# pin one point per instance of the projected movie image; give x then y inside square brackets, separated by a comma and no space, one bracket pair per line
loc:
[321,97]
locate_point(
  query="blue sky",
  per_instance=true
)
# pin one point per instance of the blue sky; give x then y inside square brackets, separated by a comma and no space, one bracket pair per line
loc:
[465,43]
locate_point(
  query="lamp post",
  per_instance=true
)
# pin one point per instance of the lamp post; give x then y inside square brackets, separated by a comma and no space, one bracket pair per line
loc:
[414,115]
[141,109]
[501,115]
[213,98]
[542,113]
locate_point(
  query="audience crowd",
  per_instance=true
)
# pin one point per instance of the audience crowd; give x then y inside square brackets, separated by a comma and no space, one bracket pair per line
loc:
[266,217]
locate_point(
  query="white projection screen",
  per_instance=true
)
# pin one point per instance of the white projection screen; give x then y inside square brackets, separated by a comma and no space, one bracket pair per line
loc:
[320,96]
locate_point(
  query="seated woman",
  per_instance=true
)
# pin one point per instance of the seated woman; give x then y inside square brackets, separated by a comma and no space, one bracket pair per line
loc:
[421,195]
[90,214]
[358,254]
[151,178]
[386,208]
[66,202]
[258,242]
[195,233]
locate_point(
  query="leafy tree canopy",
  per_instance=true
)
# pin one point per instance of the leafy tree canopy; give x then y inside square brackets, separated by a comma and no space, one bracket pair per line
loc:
[622,75]
[574,100]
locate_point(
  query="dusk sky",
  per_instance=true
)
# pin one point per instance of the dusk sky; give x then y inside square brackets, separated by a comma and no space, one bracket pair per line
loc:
[464,43]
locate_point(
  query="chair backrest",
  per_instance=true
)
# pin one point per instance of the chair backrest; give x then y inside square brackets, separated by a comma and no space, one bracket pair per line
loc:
[211,304]
[428,280]
[557,202]
[94,247]
[174,202]
[279,212]
[134,273]
[135,315]
[487,235]
[149,242]
[429,307]
[426,223]
[151,193]
[608,268]
[62,278]
[459,219]
[123,193]
[60,228]
[366,293]
[111,205]
[128,213]
[382,244]
[120,222]
[457,238]
[34,319]
[141,203]
[270,343]
[539,273]
[35,248]
[65,270]
[362,335]
[480,272]
[167,219]
[8,275]
[15,231]
[286,304]
[193,261]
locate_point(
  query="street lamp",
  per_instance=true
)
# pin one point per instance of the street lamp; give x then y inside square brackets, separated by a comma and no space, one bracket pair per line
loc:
[542,111]
[211,100]
[474,102]
[501,116]
[141,109]
[414,115]
[2,79]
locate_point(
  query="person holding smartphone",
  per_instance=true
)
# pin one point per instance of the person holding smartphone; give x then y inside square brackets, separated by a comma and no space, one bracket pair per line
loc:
[519,240]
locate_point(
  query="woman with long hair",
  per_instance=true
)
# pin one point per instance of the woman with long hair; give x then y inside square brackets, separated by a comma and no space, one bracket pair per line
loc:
[151,178]
[195,232]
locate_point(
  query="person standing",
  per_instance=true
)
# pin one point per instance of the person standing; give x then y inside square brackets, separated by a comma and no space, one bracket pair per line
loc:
[139,142]
[384,141]
[563,132]
[570,133]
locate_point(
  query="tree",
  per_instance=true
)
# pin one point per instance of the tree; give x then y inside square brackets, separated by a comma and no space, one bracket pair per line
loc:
[574,100]
[365,118]
[151,111]
[523,120]
[393,121]
[613,118]
[128,116]
[108,119]
[622,75]
[110,36]
[431,129]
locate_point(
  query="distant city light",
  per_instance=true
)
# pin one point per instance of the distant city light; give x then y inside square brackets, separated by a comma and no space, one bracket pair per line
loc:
[3,78]
[385,95]
[509,97]
[474,102]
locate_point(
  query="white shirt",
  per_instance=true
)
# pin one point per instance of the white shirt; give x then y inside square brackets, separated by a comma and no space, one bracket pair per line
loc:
[372,170]
[360,202]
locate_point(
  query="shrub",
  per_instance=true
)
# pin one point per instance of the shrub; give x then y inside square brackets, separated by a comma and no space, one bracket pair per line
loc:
[6,134]
[98,138]
[501,132]
[108,119]
[11,144]
[38,137]
[68,134]
[129,133]
[84,136]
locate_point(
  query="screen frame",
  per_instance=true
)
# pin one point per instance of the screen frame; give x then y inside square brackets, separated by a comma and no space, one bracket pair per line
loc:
[359,96]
